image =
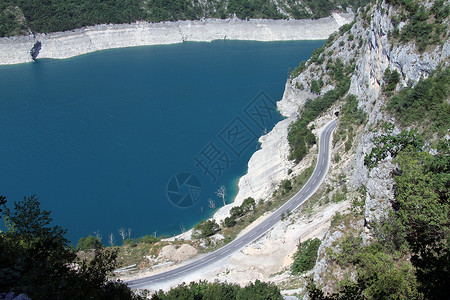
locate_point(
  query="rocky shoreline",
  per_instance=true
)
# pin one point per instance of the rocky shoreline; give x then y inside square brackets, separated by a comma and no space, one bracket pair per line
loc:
[60,45]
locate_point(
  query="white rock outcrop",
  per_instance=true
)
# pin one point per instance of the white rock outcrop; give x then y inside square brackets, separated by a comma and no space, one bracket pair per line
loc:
[67,44]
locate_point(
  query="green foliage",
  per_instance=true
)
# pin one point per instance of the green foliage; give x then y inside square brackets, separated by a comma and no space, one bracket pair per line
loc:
[340,196]
[306,256]
[346,27]
[205,229]
[61,15]
[300,136]
[425,25]
[298,70]
[410,255]
[2,204]
[316,86]
[422,188]
[286,185]
[229,222]
[253,9]
[218,290]
[350,117]
[392,232]
[147,239]
[381,274]
[425,104]
[248,204]
[237,212]
[390,81]
[316,56]
[10,23]
[35,259]
[87,243]
[172,10]
[388,143]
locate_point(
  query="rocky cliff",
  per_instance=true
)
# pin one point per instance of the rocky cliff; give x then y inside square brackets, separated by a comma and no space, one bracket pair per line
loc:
[370,47]
[89,39]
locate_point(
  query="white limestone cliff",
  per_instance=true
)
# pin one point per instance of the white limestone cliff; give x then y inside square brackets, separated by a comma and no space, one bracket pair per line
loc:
[67,44]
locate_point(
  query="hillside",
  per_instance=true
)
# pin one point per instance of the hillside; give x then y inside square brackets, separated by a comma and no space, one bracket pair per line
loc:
[19,17]
[386,75]
[378,227]
[391,149]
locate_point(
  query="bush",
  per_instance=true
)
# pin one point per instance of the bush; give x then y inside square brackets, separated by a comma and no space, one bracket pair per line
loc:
[390,81]
[35,259]
[229,222]
[88,243]
[425,104]
[286,185]
[236,212]
[392,144]
[306,256]
[218,290]
[316,86]
[205,229]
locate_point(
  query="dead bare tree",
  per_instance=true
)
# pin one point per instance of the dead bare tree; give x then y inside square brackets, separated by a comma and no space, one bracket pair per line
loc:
[122,233]
[154,234]
[221,192]
[129,233]
[111,239]
[211,203]
[97,235]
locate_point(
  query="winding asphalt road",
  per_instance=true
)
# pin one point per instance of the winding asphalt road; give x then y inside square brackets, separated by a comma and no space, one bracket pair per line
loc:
[307,191]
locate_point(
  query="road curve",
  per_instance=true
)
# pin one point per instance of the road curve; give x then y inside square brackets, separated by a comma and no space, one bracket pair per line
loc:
[307,191]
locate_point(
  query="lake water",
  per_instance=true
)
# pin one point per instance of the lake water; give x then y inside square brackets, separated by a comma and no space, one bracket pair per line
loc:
[142,137]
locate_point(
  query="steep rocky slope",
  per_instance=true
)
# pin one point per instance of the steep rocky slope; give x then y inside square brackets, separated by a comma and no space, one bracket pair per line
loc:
[371,48]
[347,77]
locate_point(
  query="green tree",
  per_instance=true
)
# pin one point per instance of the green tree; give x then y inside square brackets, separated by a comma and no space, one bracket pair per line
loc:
[89,242]
[35,258]
[248,204]
[205,229]
[236,212]
[306,256]
[229,222]
[286,185]
[259,291]
[422,205]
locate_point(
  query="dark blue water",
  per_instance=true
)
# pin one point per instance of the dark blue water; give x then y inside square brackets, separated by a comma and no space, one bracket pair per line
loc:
[98,137]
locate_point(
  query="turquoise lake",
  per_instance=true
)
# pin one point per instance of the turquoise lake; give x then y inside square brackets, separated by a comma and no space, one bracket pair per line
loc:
[101,138]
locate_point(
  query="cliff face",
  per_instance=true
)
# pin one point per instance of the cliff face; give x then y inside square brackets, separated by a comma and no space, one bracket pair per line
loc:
[81,41]
[370,47]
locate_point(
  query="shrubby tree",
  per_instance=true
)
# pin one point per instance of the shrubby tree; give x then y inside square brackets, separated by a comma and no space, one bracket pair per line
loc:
[248,204]
[224,291]
[205,228]
[306,255]
[36,259]
[89,242]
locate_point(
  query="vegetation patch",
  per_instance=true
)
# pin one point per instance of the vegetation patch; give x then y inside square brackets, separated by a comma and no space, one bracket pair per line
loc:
[300,137]
[425,105]
[305,257]
[409,255]
[218,290]
[425,26]
[61,15]
[351,117]
[35,259]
